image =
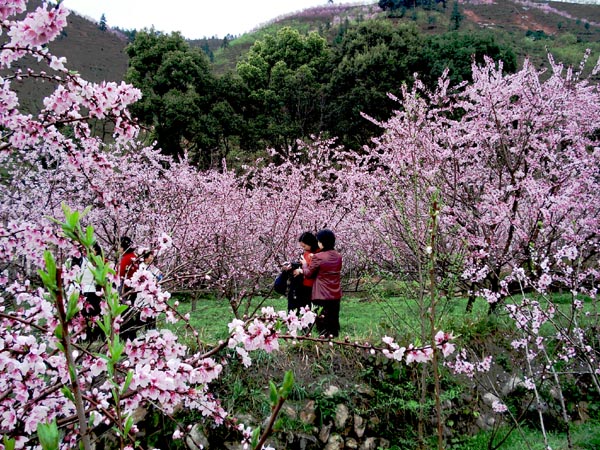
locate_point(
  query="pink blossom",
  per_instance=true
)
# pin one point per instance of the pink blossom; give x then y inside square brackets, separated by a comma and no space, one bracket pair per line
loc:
[499,407]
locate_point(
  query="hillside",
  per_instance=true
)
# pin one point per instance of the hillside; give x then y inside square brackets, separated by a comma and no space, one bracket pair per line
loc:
[97,55]
[100,55]
[511,20]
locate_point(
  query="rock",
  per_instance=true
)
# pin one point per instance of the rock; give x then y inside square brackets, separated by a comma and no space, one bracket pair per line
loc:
[342,414]
[363,389]
[289,411]
[307,442]
[196,439]
[331,391]
[511,385]
[308,414]
[542,406]
[374,422]
[583,409]
[351,443]
[324,433]
[369,443]
[485,422]
[335,442]
[139,414]
[359,426]
[555,393]
[247,420]
[490,398]
[233,446]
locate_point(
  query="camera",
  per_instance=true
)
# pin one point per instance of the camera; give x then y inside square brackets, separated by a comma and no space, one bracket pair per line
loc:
[293,265]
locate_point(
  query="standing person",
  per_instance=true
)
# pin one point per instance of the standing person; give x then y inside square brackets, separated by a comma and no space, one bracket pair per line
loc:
[299,288]
[128,265]
[310,246]
[148,260]
[89,289]
[149,263]
[325,268]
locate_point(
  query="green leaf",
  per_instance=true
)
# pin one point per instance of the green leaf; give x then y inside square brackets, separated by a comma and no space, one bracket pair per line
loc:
[116,350]
[72,308]
[288,384]
[48,435]
[128,379]
[9,443]
[89,236]
[58,331]
[49,277]
[104,324]
[273,396]
[255,437]
[128,425]
[72,373]
[67,393]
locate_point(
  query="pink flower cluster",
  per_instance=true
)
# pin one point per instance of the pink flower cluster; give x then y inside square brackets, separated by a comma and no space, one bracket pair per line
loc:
[411,354]
[38,28]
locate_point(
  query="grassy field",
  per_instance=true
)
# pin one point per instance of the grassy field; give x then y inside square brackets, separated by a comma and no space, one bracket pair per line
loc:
[368,318]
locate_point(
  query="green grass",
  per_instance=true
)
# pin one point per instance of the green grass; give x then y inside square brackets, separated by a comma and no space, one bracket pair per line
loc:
[583,436]
[368,319]
[358,319]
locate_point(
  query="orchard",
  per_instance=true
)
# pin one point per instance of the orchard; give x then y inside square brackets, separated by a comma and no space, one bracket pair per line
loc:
[489,188]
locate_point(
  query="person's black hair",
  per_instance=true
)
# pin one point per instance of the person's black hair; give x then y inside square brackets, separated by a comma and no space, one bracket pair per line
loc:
[97,249]
[326,238]
[310,240]
[125,242]
[147,253]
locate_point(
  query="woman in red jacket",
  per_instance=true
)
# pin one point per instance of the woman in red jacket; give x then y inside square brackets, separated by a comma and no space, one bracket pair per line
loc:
[325,268]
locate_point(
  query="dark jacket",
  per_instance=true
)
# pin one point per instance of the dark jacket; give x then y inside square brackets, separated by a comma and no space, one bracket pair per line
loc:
[297,293]
[325,268]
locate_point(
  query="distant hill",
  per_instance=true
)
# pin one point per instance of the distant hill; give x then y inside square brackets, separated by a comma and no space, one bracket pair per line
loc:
[97,55]
[512,19]
[100,55]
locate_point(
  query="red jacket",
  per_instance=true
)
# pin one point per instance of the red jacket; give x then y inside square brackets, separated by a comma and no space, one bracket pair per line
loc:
[326,269]
[128,265]
[308,282]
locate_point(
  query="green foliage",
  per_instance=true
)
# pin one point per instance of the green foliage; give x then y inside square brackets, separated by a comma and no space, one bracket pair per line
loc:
[456,17]
[179,94]
[373,59]
[583,436]
[457,52]
[284,74]
[291,83]
[48,435]
[102,24]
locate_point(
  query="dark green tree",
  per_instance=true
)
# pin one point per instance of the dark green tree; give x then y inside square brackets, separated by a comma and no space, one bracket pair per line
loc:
[456,17]
[285,74]
[457,52]
[102,24]
[374,58]
[178,92]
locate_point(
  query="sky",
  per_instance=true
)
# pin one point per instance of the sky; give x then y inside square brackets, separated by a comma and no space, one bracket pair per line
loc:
[193,18]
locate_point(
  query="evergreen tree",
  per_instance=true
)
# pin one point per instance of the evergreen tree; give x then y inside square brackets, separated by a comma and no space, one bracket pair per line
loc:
[102,25]
[456,17]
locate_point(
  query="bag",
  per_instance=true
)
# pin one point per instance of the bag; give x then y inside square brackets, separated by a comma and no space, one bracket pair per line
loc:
[281,283]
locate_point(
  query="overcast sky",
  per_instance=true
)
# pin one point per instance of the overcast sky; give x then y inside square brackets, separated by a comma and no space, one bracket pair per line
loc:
[193,18]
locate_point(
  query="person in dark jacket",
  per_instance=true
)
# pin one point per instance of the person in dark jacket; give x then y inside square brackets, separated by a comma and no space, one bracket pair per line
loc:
[298,288]
[325,268]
